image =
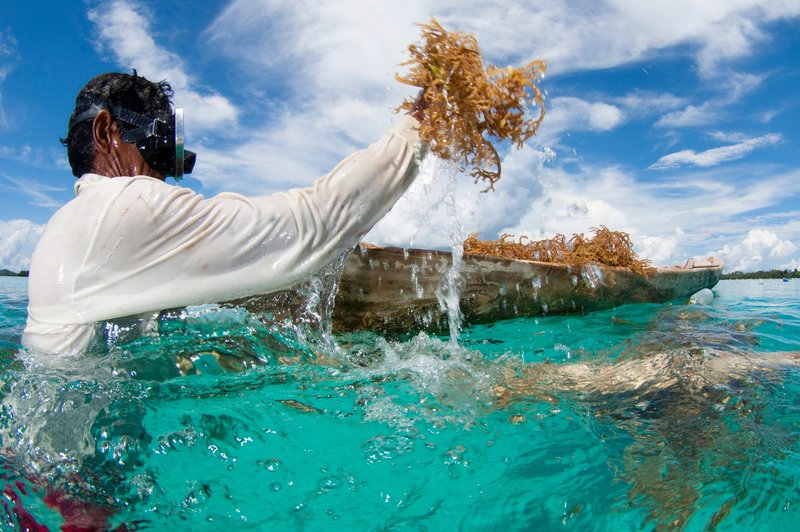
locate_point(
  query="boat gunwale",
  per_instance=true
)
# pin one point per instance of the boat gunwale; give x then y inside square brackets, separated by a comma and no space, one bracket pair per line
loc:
[406,252]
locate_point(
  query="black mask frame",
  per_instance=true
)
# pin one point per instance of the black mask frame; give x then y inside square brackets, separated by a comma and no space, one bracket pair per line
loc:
[159,139]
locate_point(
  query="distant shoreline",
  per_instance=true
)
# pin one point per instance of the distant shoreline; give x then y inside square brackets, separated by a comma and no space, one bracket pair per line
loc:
[761,274]
[9,273]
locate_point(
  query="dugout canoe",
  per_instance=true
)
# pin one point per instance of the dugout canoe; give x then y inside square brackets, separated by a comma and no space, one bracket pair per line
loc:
[393,289]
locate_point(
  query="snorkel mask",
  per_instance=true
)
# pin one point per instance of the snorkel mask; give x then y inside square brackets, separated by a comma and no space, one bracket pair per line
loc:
[159,139]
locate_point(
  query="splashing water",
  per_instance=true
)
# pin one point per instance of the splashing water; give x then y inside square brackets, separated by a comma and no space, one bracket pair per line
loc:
[449,293]
[319,293]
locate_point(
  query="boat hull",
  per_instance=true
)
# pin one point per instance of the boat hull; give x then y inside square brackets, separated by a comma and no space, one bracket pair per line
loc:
[393,289]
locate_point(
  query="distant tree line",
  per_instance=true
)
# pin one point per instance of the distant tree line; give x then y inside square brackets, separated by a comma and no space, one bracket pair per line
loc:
[763,274]
[9,273]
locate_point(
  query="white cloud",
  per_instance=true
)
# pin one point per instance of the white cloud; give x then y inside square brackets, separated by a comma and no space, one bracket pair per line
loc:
[125,30]
[334,64]
[16,153]
[572,203]
[575,114]
[733,36]
[728,136]
[669,221]
[735,85]
[716,156]
[730,87]
[8,44]
[8,50]
[581,35]
[3,73]
[761,249]
[643,103]
[338,62]
[35,156]
[592,35]
[18,239]
[40,194]
[442,204]
[691,115]
[534,198]
[350,44]
[659,249]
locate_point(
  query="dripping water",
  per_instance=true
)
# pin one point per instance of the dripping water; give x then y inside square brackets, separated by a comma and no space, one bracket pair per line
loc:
[449,291]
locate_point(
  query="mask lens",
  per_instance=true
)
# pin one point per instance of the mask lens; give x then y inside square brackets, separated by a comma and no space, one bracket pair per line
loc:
[160,141]
[184,159]
[179,143]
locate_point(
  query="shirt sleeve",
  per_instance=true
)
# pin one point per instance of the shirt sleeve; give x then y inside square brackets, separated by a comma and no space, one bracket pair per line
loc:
[155,246]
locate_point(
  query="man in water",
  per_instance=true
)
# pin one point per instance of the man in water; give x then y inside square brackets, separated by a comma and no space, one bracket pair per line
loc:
[129,245]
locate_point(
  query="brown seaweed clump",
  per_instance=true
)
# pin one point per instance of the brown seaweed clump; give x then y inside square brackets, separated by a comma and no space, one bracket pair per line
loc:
[611,248]
[468,105]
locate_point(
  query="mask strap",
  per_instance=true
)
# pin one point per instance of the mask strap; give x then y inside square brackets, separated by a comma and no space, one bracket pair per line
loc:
[146,126]
[131,117]
[91,112]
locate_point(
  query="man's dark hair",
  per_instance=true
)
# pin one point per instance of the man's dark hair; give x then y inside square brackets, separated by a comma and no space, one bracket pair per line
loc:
[129,91]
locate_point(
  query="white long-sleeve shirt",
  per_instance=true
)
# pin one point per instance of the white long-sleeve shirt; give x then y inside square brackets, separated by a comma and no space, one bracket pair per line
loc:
[131,245]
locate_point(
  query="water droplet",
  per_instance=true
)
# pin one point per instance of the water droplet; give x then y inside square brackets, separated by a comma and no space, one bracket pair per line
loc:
[270,464]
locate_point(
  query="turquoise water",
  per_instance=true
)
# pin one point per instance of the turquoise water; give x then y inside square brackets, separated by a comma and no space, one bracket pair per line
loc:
[645,417]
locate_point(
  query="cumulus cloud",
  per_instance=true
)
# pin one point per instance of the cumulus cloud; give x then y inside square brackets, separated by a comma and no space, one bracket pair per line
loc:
[570,203]
[18,239]
[125,31]
[617,31]
[761,249]
[669,220]
[444,206]
[660,249]
[716,156]
[330,69]
[535,198]
[335,63]
[348,44]
[575,114]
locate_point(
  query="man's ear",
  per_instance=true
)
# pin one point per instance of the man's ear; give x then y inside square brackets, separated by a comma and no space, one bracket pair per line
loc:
[102,130]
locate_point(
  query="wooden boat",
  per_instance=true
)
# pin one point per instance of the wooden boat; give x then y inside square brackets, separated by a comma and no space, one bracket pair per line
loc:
[394,289]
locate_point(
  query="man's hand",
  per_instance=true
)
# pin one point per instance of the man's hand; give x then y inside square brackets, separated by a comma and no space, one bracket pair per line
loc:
[420,104]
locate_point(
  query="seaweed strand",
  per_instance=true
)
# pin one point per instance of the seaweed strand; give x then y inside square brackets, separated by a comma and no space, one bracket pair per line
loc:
[611,248]
[468,105]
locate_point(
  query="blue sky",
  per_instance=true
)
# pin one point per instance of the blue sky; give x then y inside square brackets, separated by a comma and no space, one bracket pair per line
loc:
[676,121]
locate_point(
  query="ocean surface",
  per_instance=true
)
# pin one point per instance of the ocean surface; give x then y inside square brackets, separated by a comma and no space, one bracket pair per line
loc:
[645,417]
